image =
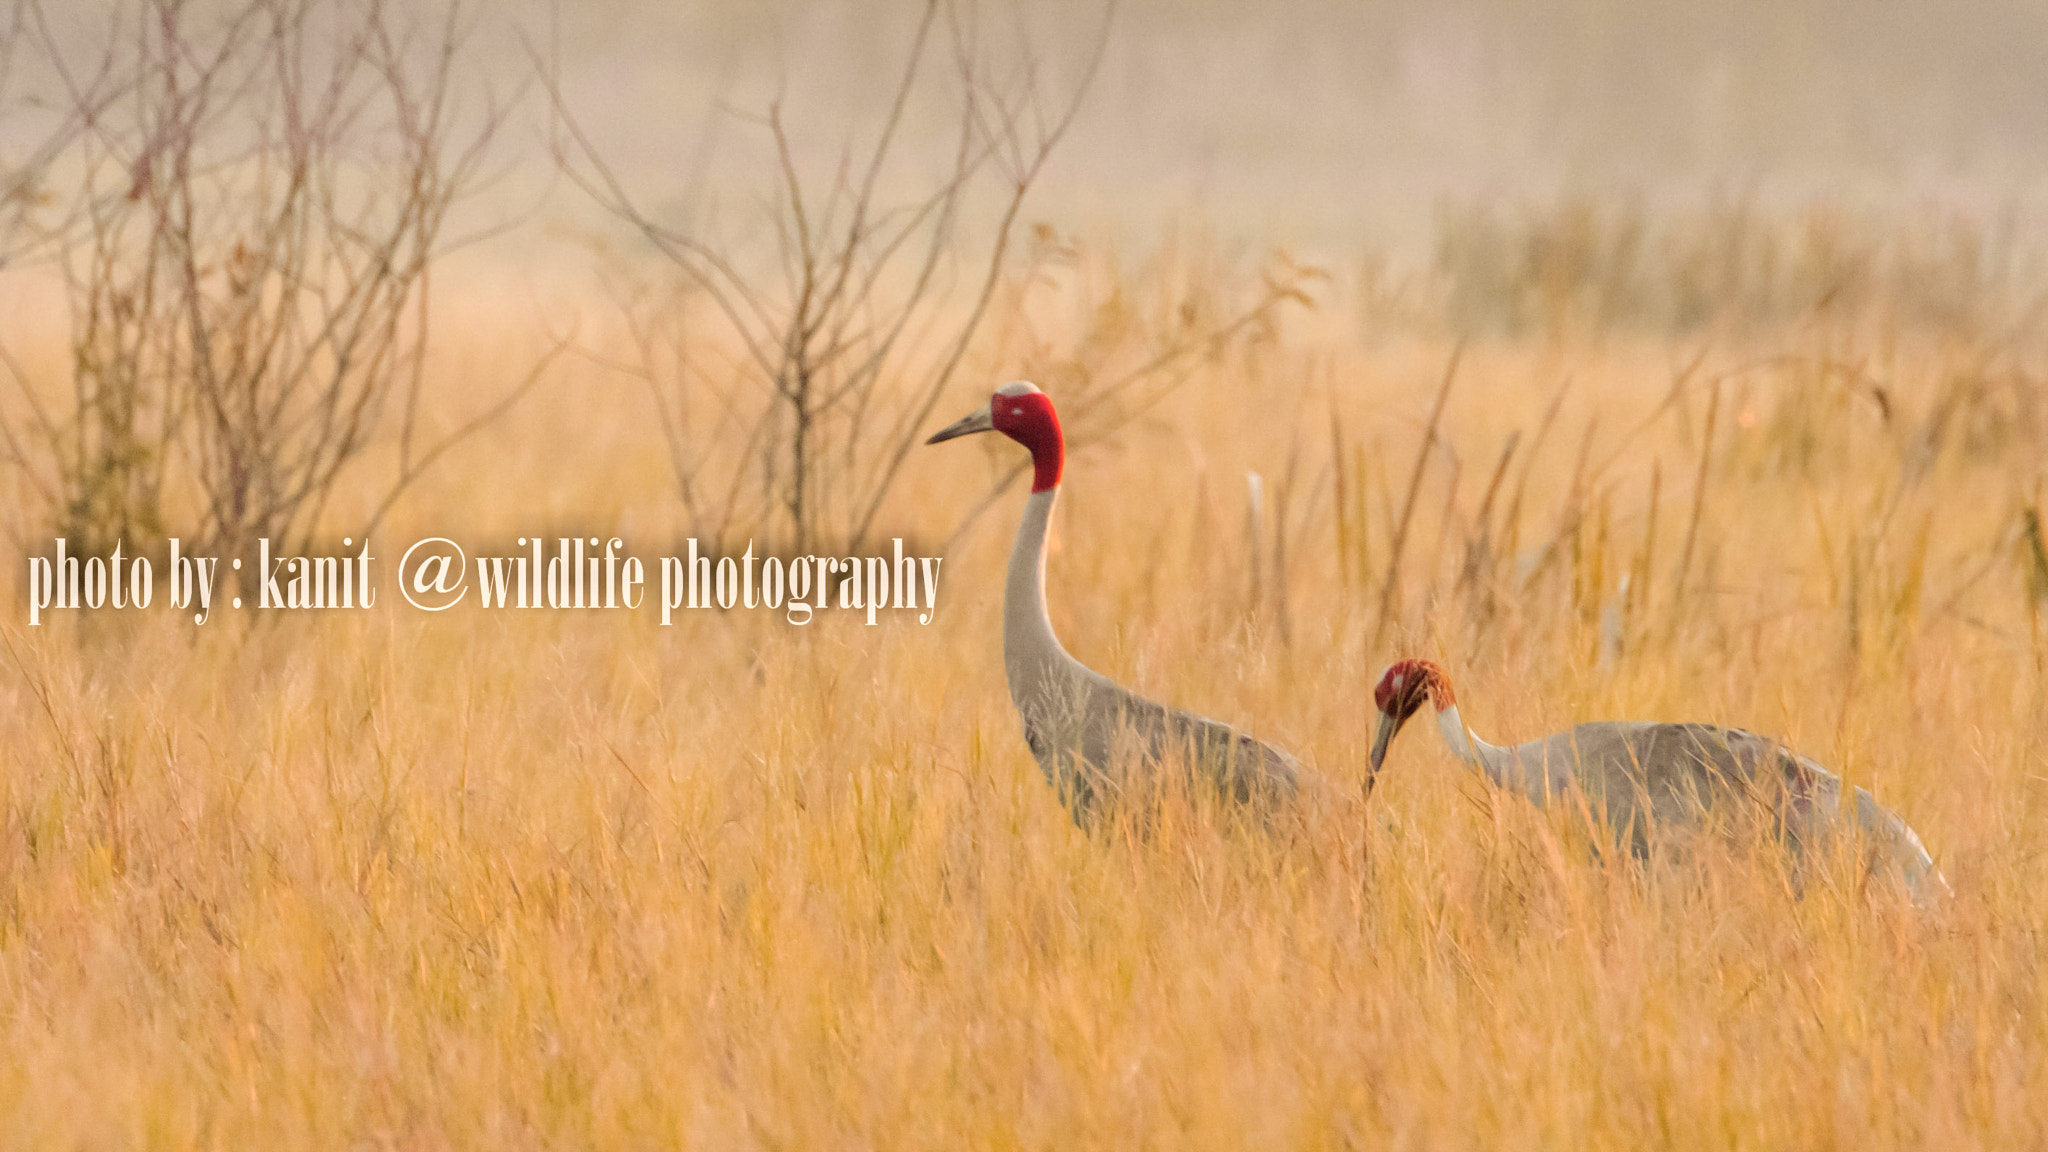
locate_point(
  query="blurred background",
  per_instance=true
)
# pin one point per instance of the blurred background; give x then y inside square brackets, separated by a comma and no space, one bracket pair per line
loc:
[1337,125]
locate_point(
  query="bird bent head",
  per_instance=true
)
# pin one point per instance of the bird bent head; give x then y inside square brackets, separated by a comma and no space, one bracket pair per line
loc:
[1400,695]
[1024,414]
[1410,682]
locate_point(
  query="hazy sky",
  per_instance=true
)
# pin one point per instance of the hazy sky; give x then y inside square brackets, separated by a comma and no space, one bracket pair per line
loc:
[1331,123]
[1319,123]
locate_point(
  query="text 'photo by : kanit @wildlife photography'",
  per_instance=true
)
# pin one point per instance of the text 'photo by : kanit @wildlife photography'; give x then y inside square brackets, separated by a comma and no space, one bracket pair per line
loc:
[1025,574]
[434,574]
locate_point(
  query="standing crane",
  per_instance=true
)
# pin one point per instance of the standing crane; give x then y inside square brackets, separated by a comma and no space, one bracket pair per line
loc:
[1096,741]
[1644,779]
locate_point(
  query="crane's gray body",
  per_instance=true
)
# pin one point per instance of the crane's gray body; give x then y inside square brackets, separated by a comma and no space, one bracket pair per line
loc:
[1647,783]
[1097,742]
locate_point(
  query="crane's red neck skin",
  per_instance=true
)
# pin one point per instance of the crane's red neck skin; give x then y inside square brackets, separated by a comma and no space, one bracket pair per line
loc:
[1028,418]
[1410,682]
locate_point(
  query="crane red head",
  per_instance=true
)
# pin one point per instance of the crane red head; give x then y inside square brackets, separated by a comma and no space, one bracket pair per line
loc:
[1024,414]
[1401,693]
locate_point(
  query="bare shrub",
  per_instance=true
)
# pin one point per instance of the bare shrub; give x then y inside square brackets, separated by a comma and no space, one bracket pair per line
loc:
[247,276]
[865,305]
[858,316]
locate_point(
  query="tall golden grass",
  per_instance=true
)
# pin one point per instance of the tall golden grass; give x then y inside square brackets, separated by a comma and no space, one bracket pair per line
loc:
[573,880]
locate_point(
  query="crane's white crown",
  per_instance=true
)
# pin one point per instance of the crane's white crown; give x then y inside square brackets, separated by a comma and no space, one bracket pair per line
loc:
[1017,388]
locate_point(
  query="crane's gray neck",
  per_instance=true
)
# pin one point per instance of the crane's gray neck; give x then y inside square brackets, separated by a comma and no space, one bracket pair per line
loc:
[1476,753]
[1030,650]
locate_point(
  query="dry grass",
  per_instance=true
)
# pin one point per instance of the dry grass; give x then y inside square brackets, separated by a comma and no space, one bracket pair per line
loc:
[578,881]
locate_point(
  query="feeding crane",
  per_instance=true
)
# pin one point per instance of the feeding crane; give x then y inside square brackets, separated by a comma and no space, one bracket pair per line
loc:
[1646,778]
[1096,741]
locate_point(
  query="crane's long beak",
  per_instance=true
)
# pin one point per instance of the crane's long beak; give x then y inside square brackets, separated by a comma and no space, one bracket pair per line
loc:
[1380,740]
[979,420]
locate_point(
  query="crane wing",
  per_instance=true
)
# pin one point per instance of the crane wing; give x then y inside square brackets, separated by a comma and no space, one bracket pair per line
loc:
[1646,780]
[1111,741]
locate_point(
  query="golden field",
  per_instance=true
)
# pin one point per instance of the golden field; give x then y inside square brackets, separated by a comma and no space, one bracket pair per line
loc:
[573,880]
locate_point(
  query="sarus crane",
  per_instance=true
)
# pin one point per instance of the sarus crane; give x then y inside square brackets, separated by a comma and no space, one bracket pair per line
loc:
[1097,742]
[1644,781]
